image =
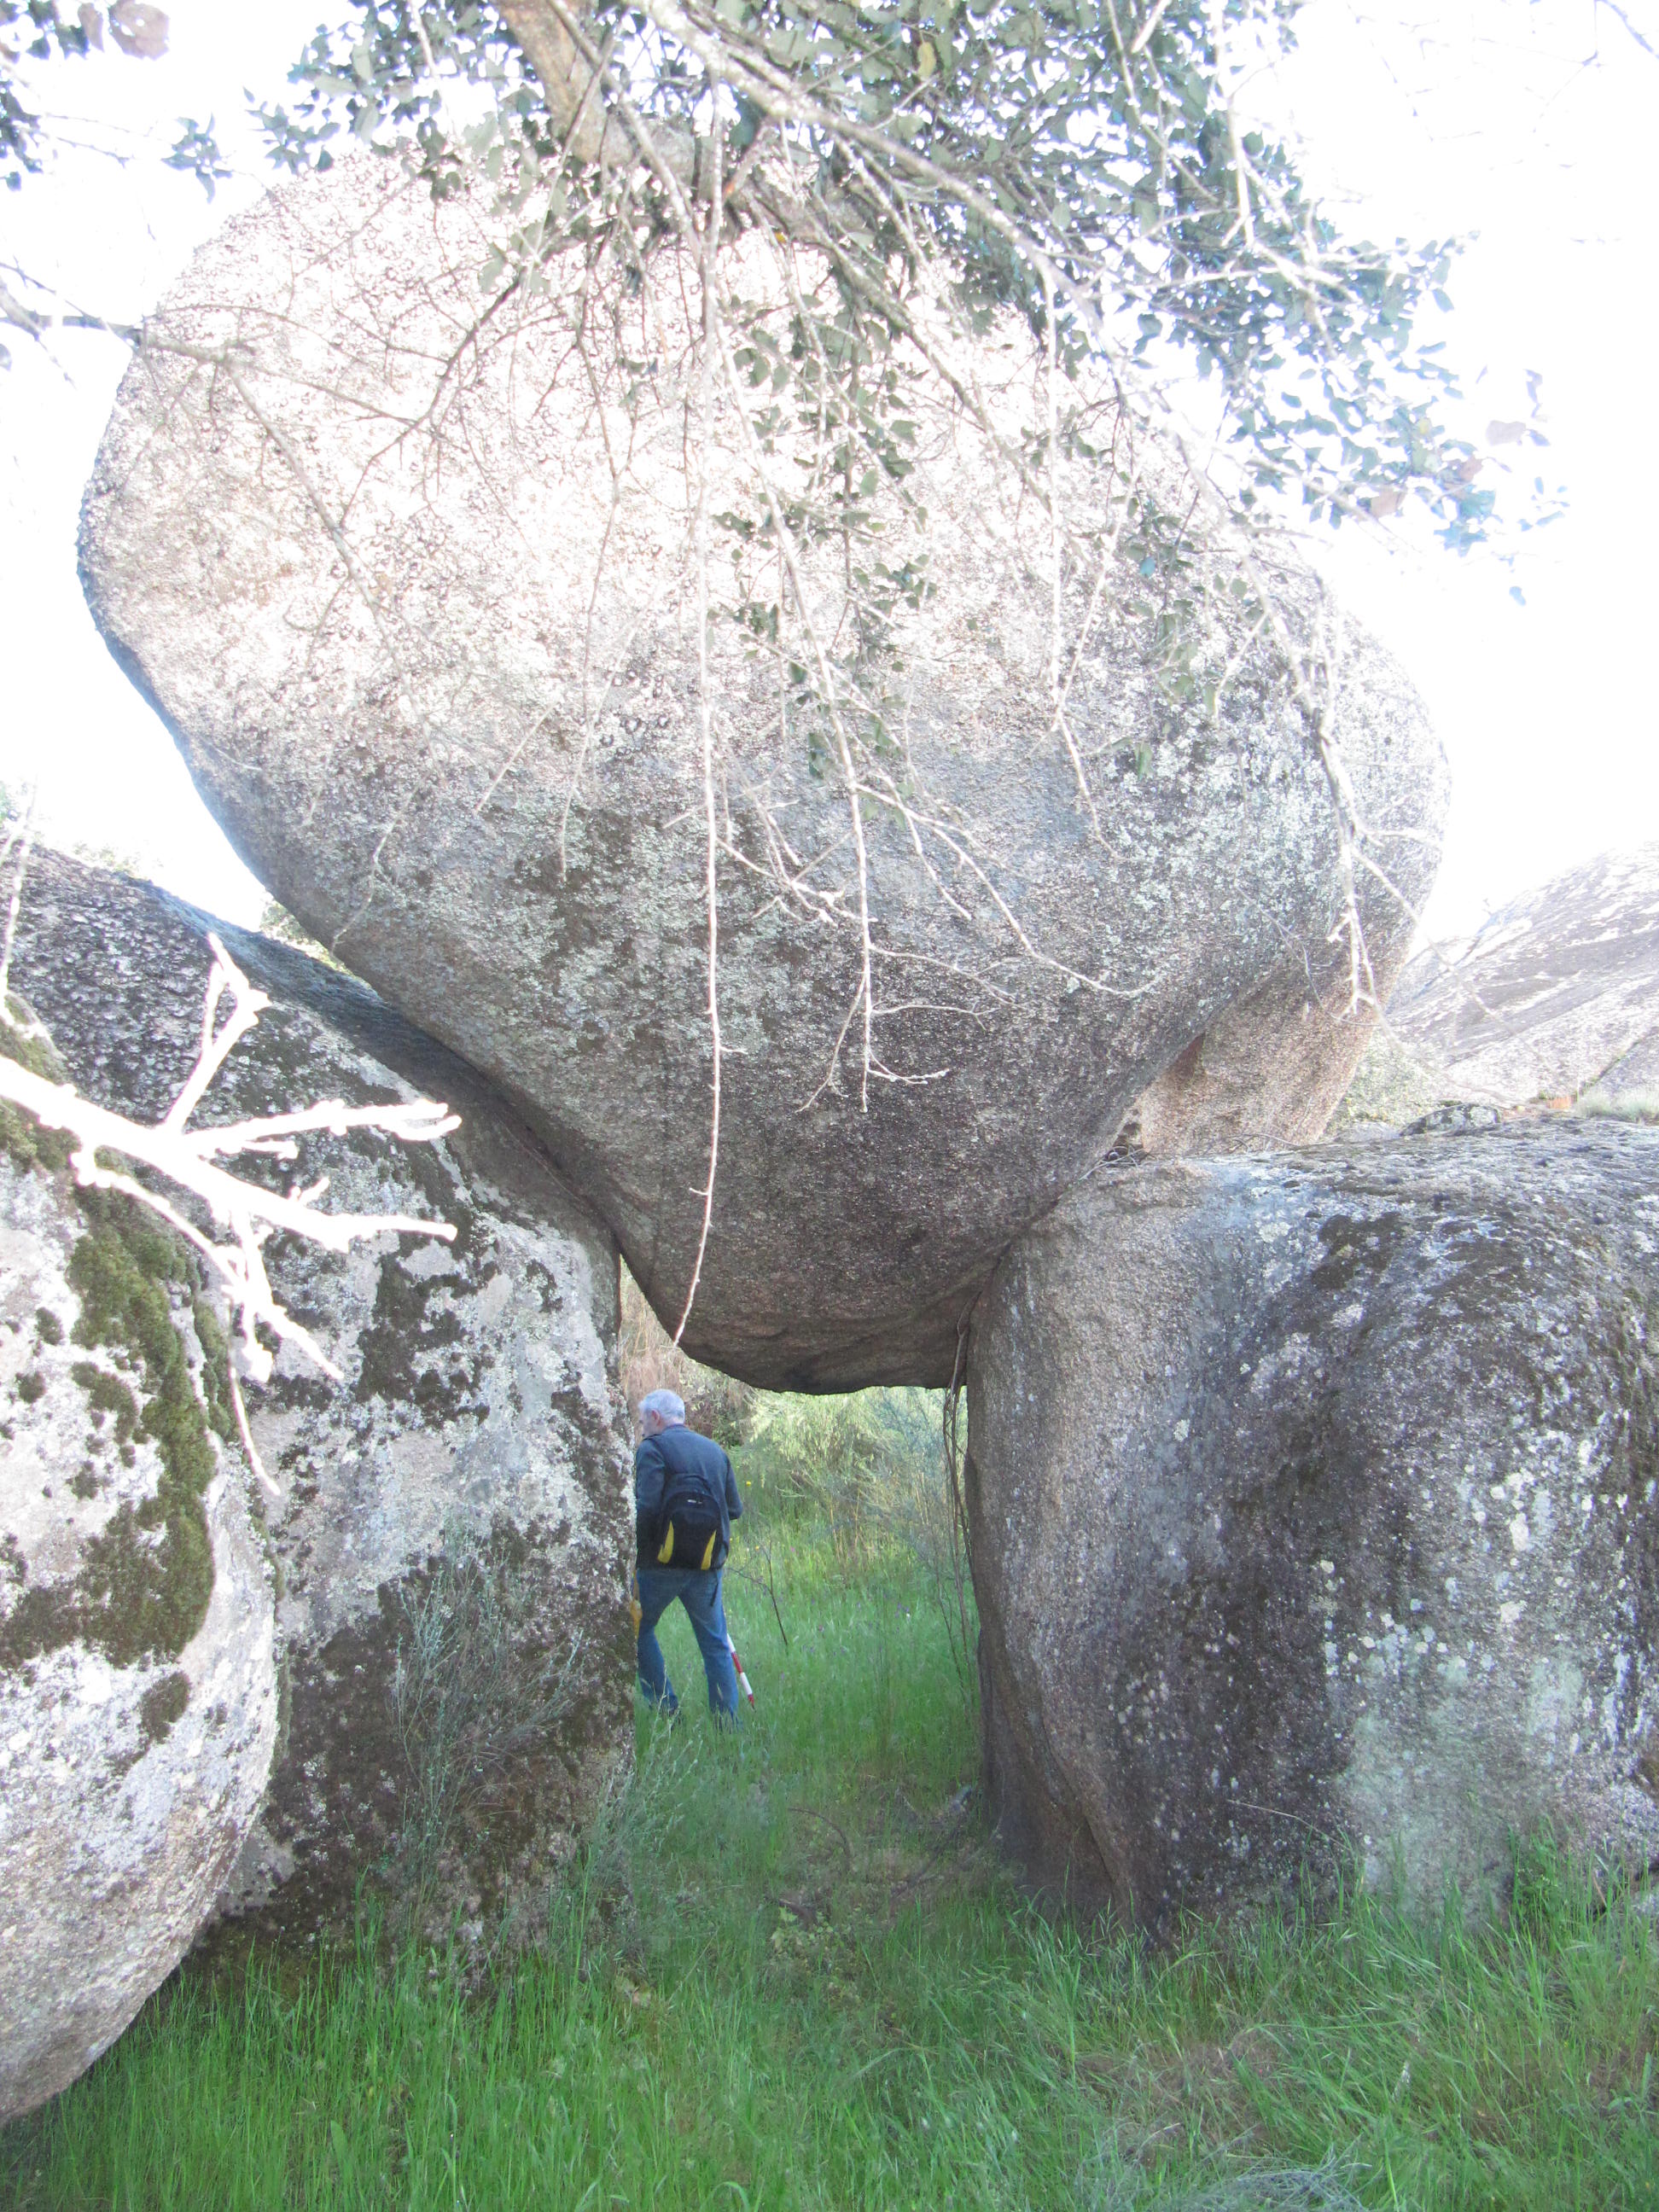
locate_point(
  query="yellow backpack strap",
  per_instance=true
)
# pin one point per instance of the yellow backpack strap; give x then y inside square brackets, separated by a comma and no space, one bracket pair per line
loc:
[665,1550]
[709,1548]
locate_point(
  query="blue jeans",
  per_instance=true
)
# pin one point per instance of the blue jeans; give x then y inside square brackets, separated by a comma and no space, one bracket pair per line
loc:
[699,1594]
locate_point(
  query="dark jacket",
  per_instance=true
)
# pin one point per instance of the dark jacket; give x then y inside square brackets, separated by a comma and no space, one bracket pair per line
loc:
[681,1449]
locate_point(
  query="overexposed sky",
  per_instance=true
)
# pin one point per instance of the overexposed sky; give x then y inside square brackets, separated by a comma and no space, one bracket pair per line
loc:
[1491,117]
[113,236]
[1528,125]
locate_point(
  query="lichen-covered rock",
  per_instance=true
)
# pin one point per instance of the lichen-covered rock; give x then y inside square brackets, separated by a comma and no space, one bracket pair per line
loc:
[454,1522]
[138,1699]
[1552,992]
[421,612]
[1313,1507]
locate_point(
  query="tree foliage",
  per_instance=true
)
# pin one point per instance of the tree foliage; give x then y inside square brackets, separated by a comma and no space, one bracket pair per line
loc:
[36,36]
[37,31]
[1081,159]
[34,30]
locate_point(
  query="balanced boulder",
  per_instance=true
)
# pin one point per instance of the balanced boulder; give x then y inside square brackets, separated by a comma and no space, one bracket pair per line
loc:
[453,1522]
[405,551]
[1313,1512]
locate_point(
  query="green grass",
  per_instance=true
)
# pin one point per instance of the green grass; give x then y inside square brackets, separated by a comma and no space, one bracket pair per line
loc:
[792,1974]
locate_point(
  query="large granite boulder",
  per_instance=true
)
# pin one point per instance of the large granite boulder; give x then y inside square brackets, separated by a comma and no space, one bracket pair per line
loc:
[1551,993]
[138,1692]
[454,1528]
[406,566]
[1313,1509]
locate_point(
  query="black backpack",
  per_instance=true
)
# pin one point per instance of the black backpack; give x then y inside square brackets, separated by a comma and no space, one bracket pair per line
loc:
[688,1531]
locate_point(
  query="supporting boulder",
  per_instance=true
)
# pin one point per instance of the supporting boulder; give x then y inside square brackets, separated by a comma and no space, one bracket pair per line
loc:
[138,1694]
[409,568]
[1313,1511]
[453,1524]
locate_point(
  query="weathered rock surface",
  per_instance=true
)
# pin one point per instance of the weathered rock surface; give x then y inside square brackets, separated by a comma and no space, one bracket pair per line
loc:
[138,1699]
[1552,991]
[421,613]
[1313,1503]
[459,1504]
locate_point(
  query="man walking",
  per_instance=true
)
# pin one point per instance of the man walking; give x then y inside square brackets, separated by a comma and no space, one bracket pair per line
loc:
[685,1500]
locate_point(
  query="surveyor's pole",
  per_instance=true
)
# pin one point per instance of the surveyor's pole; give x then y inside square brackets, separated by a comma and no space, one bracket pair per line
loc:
[742,1679]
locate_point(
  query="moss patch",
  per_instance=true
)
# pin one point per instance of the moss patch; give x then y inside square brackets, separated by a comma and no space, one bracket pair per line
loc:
[143,1588]
[22,1137]
[215,1353]
[108,1394]
[162,1704]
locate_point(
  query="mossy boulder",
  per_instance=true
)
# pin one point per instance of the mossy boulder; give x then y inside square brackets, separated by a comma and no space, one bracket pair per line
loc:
[471,1467]
[138,1699]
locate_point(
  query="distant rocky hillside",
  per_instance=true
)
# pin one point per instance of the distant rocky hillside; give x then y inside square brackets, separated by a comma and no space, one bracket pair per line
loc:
[1556,997]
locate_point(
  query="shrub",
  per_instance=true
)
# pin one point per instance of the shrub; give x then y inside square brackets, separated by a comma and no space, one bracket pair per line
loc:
[716,1404]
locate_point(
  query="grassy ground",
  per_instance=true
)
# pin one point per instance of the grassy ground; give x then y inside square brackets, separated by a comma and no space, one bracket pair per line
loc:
[793,1975]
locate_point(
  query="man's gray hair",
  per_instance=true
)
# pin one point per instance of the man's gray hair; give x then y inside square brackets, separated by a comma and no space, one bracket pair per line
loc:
[667,1405]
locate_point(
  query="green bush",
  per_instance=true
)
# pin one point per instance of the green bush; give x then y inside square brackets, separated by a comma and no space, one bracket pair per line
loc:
[838,1466]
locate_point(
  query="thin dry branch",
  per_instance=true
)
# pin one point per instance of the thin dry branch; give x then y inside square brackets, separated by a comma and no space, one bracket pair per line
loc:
[1057,581]
[706,726]
[183,1159]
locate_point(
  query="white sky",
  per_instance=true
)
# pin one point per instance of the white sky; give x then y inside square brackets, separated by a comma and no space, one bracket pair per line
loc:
[1482,118]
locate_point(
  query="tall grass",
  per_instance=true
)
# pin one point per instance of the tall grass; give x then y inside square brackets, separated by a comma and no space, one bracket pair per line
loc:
[792,1973]
[1633,1105]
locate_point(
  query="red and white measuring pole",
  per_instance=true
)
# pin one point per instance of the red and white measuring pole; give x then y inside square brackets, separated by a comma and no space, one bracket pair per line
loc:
[742,1679]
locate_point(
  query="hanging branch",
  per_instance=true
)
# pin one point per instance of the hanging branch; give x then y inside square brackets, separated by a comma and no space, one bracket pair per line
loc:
[706,726]
[961,1565]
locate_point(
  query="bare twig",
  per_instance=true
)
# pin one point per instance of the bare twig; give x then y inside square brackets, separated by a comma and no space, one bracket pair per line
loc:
[185,1159]
[767,1583]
